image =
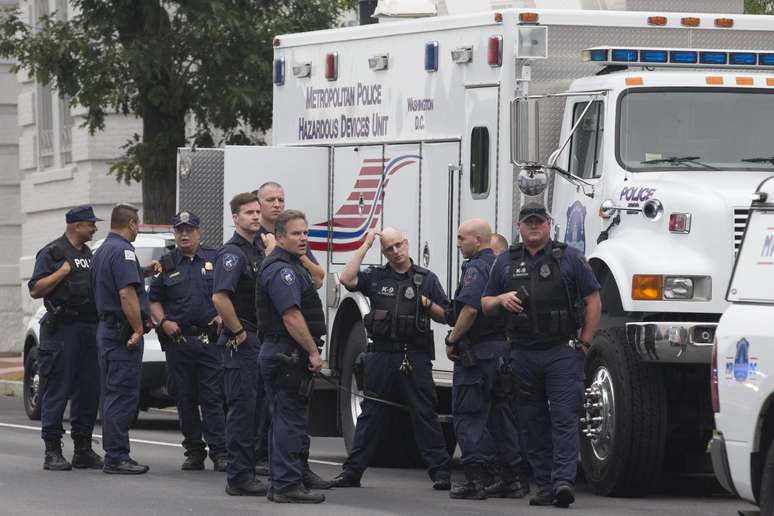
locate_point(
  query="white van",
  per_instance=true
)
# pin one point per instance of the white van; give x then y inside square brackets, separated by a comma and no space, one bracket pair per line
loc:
[743,364]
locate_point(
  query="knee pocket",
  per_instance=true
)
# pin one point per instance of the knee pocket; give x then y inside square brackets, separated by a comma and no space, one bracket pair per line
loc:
[468,396]
[48,361]
[123,376]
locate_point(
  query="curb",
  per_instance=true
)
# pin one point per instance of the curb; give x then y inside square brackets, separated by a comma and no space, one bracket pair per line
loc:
[12,388]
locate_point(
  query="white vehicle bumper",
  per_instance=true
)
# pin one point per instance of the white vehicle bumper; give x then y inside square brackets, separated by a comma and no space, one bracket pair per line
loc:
[677,342]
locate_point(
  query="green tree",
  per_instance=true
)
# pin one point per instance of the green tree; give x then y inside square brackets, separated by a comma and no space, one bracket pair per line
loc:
[163,60]
[759,6]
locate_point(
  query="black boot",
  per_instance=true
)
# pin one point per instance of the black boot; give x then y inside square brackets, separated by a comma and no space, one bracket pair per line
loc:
[509,485]
[219,462]
[54,460]
[298,495]
[84,457]
[262,466]
[473,486]
[194,460]
[345,479]
[311,479]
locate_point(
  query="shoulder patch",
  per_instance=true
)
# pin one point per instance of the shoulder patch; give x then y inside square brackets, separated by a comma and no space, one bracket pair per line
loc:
[129,255]
[288,275]
[470,276]
[230,261]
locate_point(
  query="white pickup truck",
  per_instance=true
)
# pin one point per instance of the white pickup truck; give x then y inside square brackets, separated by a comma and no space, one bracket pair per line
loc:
[743,362]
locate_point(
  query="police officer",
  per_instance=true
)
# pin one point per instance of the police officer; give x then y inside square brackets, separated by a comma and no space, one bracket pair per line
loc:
[236,267]
[404,297]
[187,325]
[67,356]
[292,322]
[122,304]
[271,197]
[551,300]
[483,421]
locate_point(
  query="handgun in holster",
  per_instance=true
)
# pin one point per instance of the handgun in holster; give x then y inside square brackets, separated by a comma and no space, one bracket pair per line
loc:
[52,317]
[293,376]
[464,350]
[504,387]
[358,370]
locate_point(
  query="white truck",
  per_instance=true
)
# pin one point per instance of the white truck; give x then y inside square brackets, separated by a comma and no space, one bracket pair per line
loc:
[743,362]
[650,128]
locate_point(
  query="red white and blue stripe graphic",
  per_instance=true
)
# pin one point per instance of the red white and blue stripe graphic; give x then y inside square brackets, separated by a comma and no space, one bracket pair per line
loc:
[362,208]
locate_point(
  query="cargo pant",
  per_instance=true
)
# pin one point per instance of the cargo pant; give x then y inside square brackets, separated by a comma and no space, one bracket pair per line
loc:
[196,373]
[68,369]
[547,407]
[120,381]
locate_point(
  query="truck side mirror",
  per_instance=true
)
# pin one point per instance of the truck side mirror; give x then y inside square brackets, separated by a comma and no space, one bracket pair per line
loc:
[532,180]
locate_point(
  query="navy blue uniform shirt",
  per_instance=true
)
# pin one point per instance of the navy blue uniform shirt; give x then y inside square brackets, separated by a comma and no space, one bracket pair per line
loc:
[230,264]
[575,270]
[309,254]
[284,285]
[45,265]
[431,287]
[186,292]
[475,273]
[114,267]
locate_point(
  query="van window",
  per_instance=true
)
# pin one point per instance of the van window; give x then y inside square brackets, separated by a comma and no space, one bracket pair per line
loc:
[586,143]
[479,162]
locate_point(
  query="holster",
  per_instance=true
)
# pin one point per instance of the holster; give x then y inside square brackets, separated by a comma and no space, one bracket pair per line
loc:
[358,370]
[465,352]
[293,376]
[503,387]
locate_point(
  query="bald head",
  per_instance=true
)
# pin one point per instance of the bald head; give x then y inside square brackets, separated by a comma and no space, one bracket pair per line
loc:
[472,236]
[395,248]
[499,243]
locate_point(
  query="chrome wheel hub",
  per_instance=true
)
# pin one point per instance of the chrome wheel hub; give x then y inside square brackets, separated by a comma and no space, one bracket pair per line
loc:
[598,421]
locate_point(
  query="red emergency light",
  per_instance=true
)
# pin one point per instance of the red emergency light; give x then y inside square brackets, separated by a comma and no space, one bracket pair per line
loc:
[494,54]
[332,66]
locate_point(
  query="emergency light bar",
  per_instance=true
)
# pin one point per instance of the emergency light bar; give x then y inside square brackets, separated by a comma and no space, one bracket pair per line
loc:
[752,59]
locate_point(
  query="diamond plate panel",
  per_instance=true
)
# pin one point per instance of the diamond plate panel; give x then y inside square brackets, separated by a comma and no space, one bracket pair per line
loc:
[694,6]
[201,191]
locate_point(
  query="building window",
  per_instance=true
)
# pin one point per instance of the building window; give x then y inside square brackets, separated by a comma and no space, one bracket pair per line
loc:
[479,162]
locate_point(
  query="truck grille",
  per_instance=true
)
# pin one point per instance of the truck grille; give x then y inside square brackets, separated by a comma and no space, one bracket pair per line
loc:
[740,221]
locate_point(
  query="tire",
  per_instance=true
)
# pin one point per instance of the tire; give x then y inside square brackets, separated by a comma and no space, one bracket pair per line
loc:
[396,444]
[32,386]
[625,457]
[766,491]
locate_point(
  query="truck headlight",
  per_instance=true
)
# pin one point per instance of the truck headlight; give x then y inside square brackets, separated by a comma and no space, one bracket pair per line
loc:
[676,287]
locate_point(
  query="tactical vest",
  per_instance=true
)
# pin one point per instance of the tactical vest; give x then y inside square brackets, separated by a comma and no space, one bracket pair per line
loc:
[73,294]
[552,309]
[269,320]
[244,297]
[396,312]
[484,327]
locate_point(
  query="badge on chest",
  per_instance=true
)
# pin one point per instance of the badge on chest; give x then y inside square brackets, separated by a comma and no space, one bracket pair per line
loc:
[545,271]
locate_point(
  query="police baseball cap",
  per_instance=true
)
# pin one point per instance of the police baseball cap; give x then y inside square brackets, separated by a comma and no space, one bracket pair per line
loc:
[185,218]
[533,209]
[81,214]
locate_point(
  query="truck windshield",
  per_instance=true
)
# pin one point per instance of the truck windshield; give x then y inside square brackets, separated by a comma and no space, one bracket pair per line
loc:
[696,129]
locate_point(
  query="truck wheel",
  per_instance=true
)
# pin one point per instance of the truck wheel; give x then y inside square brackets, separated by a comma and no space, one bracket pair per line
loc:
[767,484]
[624,423]
[396,444]
[32,391]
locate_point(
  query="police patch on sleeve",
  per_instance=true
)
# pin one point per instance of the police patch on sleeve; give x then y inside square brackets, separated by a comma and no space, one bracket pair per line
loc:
[129,255]
[469,277]
[230,261]
[288,275]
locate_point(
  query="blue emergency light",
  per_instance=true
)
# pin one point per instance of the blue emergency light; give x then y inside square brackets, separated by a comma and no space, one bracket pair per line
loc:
[279,71]
[431,56]
[648,57]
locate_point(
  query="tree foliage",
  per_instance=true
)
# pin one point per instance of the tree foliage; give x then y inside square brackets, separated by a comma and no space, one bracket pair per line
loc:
[759,6]
[162,60]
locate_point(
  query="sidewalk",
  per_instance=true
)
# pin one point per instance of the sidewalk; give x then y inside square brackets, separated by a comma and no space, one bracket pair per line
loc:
[11,376]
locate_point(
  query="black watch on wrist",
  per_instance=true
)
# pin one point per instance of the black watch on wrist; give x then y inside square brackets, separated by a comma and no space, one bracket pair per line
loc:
[239,332]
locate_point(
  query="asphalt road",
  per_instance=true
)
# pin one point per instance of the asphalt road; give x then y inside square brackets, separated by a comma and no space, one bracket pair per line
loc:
[26,489]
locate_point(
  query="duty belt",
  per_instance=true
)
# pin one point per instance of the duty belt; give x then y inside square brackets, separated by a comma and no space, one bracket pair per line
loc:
[393,347]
